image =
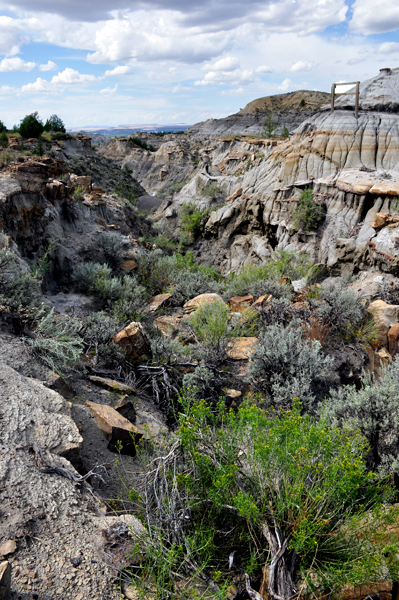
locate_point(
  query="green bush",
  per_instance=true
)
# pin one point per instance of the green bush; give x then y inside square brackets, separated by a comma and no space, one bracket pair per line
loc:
[308,215]
[3,139]
[209,323]
[211,190]
[123,192]
[291,493]
[191,219]
[270,126]
[285,134]
[108,247]
[142,144]
[55,124]
[31,126]
[3,128]
[78,192]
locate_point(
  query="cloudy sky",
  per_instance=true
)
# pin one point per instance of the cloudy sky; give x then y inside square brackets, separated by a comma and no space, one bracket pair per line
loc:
[111,62]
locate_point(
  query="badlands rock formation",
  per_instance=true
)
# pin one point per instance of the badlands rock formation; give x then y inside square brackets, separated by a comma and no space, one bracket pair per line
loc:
[352,166]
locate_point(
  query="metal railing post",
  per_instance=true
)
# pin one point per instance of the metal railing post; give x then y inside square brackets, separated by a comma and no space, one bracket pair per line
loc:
[357,100]
[332,97]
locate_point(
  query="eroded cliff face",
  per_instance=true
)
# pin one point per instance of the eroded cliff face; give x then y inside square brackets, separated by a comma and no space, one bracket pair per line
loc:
[352,166]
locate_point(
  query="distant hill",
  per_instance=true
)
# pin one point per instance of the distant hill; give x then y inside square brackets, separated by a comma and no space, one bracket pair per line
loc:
[302,100]
[288,110]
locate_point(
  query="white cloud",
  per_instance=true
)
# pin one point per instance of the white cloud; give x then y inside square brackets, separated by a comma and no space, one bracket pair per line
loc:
[8,65]
[302,65]
[236,92]
[388,47]
[109,91]
[262,69]
[370,17]
[285,86]
[121,70]
[236,77]
[70,76]
[64,78]
[50,66]
[229,63]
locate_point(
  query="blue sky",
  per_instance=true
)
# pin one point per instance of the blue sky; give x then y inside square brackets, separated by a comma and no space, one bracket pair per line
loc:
[178,61]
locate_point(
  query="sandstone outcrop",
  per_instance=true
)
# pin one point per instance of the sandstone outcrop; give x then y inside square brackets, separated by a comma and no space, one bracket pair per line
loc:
[385,316]
[116,428]
[133,341]
[192,305]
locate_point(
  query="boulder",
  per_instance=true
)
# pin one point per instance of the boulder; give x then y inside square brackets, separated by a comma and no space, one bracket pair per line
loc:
[81,180]
[134,342]
[125,407]
[299,285]
[128,266]
[168,324]
[393,337]
[241,348]
[240,303]
[385,316]
[192,305]
[384,219]
[115,427]
[5,580]
[158,301]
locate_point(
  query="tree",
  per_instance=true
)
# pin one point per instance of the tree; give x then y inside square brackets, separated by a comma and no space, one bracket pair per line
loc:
[31,126]
[2,127]
[3,139]
[270,126]
[291,493]
[55,124]
[285,133]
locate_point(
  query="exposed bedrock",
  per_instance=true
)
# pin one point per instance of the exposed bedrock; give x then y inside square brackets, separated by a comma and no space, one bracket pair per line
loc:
[352,166]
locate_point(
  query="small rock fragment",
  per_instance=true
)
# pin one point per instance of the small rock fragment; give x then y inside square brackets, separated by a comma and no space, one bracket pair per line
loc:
[240,303]
[111,383]
[158,301]
[7,547]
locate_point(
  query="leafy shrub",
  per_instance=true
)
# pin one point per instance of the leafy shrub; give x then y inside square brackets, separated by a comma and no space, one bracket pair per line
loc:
[211,190]
[285,134]
[209,323]
[79,192]
[302,102]
[281,490]
[55,124]
[308,215]
[3,139]
[31,126]
[284,366]
[374,411]
[56,342]
[191,219]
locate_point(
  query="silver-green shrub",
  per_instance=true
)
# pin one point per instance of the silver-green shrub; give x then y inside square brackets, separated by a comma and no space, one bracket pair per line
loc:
[284,366]
[340,308]
[374,411]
